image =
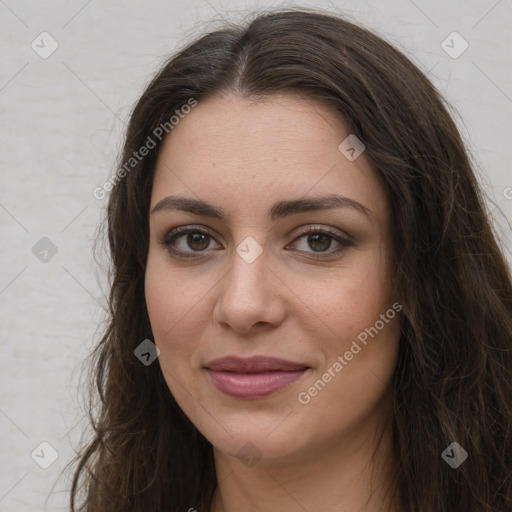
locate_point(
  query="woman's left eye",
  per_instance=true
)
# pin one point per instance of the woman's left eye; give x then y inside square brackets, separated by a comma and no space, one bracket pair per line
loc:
[320,242]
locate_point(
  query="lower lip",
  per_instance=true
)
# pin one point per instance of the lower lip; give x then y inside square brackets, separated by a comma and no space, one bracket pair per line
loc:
[253,385]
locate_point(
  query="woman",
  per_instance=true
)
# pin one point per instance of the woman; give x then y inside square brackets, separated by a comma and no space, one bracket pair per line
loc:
[309,309]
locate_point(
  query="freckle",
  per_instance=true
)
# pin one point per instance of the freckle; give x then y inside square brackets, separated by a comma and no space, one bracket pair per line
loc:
[213,164]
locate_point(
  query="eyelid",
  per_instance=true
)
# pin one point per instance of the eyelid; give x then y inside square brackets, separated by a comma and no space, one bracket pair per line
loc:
[321,228]
[187,229]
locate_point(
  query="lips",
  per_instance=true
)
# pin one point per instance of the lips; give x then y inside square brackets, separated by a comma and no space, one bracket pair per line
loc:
[253,364]
[254,377]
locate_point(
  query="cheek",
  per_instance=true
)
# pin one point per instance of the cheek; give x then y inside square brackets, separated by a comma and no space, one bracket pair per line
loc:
[358,357]
[351,300]
[170,294]
[174,306]
[349,311]
[177,315]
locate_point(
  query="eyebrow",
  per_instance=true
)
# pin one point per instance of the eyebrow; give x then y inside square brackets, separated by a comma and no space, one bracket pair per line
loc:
[279,210]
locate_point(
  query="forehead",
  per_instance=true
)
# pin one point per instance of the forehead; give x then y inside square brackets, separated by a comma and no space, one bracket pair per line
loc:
[235,151]
[237,129]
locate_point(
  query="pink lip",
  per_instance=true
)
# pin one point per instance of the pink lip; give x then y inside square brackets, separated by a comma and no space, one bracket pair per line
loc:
[254,377]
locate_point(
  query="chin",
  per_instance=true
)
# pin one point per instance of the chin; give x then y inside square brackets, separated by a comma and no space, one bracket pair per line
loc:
[251,436]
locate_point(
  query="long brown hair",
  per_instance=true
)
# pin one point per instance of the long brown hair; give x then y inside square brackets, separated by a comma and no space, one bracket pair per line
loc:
[453,375]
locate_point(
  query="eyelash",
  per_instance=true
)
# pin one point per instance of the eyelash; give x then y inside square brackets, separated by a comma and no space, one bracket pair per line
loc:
[176,233]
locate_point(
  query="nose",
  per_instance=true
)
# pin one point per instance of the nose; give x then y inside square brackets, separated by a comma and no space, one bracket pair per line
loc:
[249,296]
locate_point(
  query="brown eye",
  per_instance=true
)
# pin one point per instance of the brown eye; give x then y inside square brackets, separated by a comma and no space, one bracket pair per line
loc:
[320,242]
[198,241]
[188,242]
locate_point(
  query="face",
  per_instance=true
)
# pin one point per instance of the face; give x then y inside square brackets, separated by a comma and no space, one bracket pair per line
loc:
[266,240]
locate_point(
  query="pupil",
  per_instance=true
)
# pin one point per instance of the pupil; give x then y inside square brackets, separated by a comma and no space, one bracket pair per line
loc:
[197,241]
[319,242]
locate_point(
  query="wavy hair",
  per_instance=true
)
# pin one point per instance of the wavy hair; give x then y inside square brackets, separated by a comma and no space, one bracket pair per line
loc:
[453,375]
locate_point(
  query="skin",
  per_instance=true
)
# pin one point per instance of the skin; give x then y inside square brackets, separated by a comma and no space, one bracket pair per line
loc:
[243,156]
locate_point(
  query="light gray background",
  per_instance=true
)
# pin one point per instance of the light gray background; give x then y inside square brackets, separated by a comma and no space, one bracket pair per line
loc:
[62,119]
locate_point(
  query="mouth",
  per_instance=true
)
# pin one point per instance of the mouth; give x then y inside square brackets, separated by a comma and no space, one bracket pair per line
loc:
[255,377]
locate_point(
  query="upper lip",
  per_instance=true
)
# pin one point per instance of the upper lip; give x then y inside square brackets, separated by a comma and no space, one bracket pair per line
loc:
[253,364]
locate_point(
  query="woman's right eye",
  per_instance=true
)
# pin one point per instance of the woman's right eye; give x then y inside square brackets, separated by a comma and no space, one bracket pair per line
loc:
[188,242]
